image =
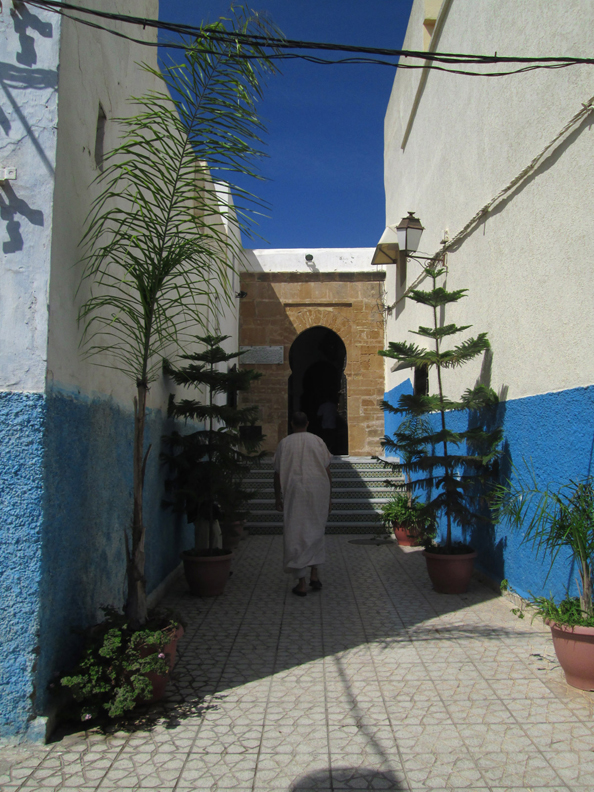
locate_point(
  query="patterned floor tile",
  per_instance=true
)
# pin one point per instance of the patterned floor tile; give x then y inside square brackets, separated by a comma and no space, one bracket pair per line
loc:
[517,769]
[367,773]
[377,683]
[294,771]
[430,770]
[576,768]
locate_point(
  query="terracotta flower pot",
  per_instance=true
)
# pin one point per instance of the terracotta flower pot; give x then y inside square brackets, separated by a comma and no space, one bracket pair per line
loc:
[232,533]
[407,537]
[574,647]
[159,681]
[450,574]
[206,575]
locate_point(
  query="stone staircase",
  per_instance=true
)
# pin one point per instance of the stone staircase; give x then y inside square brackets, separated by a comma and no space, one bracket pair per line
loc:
[358,492]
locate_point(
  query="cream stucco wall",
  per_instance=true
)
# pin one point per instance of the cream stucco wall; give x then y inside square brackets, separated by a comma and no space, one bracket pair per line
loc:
[95,68]
[528,266]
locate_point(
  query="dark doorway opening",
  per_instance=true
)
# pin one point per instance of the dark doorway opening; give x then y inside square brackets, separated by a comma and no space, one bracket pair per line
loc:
[318,386]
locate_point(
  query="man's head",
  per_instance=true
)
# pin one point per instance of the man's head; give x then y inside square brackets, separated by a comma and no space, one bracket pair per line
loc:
[299,421]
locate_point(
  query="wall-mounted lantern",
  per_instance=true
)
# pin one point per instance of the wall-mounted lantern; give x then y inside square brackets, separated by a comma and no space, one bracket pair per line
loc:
[409,231]
[401,239]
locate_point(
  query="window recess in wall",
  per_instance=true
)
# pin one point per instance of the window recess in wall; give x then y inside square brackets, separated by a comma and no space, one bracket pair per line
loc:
[432,8]
[100,137]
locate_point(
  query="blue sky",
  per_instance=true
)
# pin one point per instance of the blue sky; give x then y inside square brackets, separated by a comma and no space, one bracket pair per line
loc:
[325,123]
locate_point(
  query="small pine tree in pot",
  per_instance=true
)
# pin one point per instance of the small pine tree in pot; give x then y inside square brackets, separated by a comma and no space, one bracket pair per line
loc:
[453,466]
[207,466]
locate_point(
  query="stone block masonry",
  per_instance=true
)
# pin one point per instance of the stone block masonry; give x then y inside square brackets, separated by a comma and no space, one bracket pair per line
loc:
[279,306]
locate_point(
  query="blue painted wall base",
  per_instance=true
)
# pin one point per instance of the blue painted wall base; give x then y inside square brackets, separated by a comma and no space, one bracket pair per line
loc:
[65,503]
[554,433]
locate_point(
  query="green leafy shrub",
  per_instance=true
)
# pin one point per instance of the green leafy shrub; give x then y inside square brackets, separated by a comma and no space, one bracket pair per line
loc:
[111,677]
[410,514]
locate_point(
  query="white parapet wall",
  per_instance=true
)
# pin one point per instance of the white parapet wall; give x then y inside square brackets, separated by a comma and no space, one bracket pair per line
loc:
[298,260]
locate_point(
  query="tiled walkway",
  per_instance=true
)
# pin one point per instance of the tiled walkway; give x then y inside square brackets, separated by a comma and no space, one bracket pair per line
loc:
[375,683]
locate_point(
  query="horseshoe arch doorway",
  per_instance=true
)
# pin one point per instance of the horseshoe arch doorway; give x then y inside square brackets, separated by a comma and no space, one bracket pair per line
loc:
[318,385]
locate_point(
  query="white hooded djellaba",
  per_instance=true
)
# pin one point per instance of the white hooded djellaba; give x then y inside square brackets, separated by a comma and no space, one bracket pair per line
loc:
[301,460]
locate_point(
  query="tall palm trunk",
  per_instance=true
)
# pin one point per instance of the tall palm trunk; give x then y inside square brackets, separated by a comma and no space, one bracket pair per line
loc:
[136,607]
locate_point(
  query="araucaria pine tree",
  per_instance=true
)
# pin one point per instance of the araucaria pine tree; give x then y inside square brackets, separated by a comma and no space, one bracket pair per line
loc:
[454,467]
[208,465]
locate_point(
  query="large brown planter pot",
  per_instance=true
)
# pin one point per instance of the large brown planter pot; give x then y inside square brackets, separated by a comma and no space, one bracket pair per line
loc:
[206,575]
[574,647]
[232,533]
[159,681]
[450,574]
[407,537]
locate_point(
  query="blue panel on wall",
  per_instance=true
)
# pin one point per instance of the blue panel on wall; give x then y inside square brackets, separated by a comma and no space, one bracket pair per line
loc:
[88,510]
[554,433]
[65,503]
[22,421]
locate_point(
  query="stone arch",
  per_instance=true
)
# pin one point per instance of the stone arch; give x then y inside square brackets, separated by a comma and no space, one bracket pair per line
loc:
[317,385]
[304,318]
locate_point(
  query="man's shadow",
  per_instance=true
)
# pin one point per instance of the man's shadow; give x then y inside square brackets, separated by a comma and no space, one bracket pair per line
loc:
[346,777]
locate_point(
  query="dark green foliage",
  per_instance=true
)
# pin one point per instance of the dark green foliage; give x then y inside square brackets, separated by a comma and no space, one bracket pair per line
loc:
[207,466]
[554,518]
[568,611]
[409,513]
[453,467]
[111,676]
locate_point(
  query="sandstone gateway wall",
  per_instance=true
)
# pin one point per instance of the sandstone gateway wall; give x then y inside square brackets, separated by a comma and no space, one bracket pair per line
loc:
[281,305]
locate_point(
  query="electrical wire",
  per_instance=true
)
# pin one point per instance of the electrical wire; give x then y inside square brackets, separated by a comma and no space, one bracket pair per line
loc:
[429,60]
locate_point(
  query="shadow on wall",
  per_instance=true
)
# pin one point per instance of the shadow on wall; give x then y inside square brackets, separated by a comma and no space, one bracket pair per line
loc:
[22,19]
[482,535]
[88,507]
[11,206]
[548,162]
[20,79]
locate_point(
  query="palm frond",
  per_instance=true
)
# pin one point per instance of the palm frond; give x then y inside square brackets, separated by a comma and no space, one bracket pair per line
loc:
[160,239]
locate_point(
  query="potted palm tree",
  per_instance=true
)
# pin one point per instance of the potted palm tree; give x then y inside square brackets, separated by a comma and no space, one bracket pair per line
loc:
[208,463]
[559,522]
[156,252]
[453,466]
[157,246]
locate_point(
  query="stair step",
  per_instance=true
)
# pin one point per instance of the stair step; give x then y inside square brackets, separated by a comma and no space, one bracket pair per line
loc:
[360,486]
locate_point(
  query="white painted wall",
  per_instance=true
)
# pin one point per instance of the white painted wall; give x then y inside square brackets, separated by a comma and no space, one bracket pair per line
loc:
[324,260]
[95,67]
[528,267]
[29,52]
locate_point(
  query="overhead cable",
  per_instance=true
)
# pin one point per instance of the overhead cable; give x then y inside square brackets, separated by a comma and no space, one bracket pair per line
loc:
[427,59]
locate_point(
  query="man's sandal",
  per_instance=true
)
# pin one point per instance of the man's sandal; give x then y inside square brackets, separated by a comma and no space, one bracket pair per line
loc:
[298,592]
[316,585]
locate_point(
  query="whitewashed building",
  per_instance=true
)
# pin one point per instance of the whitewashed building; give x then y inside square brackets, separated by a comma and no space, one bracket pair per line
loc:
[503,167]
[66,424]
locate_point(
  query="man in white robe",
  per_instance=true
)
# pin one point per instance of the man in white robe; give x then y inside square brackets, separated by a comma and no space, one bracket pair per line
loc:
[303,488]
